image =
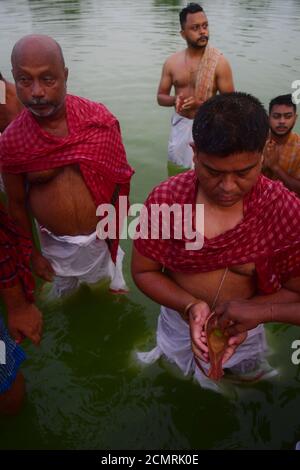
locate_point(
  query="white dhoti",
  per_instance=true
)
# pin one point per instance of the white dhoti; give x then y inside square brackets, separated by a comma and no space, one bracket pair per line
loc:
[174,343]
[179,150]
[80,259]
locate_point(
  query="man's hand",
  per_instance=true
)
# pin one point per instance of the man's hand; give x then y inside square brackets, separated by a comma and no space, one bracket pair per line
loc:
[198,315]
[271,155]
[239,316]
[233,343]
[25,321]
[190,103]
[42,267]
[186,103]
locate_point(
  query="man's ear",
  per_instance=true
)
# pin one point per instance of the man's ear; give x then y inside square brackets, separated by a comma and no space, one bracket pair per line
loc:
[66,73]
[182,34]
[192,145]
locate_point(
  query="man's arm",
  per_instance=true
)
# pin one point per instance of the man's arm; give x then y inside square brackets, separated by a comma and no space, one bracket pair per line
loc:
[282,306]
[165,85]
[17,209]
[224,76]
[150,279]
[24,319]
[290,182]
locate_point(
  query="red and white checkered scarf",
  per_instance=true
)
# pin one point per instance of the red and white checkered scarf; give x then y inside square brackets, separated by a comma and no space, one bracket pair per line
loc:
[15,253]
[94,143]
[268,235]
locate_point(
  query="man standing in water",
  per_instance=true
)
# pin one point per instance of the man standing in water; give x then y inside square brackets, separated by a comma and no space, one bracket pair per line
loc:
[62,158]
[196,73]
[251,240]
[282,149]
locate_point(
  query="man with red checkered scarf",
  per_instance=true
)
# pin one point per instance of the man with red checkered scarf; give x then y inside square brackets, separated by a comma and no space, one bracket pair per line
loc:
[61,158]
[251,244]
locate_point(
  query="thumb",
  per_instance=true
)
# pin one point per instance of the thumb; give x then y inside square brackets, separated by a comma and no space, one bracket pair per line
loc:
[235,337]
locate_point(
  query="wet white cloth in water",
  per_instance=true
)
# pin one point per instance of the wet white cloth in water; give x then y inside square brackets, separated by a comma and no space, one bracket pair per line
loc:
[174,343]
[80,259]
[179,149]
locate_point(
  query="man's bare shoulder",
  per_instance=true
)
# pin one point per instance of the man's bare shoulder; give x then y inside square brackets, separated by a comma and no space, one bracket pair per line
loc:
[175,59]
[223,64]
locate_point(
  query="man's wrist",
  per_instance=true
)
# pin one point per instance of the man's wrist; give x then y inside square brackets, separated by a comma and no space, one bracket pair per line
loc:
[188,307]
[268,313]
[14,298]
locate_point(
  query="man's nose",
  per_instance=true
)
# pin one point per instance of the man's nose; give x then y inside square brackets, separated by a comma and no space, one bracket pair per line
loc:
[228,183]
[37,90]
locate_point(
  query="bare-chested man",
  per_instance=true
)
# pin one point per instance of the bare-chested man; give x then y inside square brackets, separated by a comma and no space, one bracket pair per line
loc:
[10,107]
[251,244]
[196,73]
[282,149]
[61,158]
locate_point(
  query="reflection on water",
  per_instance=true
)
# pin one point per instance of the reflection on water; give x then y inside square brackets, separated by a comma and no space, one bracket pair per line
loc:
[85,388]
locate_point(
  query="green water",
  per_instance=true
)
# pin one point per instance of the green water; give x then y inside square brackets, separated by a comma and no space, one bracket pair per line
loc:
[85,389]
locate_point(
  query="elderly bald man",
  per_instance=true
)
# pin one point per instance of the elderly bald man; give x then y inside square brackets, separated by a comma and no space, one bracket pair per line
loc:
[62,158]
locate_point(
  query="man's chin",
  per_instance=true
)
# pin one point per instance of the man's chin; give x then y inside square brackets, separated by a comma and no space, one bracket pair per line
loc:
[42,113]
[282,133]
[226,202]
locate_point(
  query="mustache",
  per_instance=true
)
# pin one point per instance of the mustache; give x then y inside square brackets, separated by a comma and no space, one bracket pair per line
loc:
[37,101]
[204,37]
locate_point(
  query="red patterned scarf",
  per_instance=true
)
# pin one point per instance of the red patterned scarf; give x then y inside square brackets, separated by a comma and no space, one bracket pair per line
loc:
[94,143]
[15,253]
[268,235]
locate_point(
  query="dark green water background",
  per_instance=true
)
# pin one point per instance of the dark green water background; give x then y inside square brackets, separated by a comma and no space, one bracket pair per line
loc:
[85,389]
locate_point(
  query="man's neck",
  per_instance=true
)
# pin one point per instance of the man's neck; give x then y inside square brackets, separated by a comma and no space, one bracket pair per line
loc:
[195,52]
[55,124]
[281,139]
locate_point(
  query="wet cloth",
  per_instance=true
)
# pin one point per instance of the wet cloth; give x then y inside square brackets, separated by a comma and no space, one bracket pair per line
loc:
[174,343]
[286,155]
[80,259]
[94,143]
[11,357]
[179,149]
[268,235]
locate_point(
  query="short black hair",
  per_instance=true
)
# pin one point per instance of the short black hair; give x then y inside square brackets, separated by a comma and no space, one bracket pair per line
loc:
[190,8]
[230,123]
[282,99]
[1,76]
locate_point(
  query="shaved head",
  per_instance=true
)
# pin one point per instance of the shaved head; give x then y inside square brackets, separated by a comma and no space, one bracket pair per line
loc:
[38,68]
[34,47]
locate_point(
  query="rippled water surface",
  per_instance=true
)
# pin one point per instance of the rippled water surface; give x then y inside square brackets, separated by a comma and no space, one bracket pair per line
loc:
[85,389]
